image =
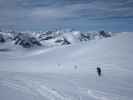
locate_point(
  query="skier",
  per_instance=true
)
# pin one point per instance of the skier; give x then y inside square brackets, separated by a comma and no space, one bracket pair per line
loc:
[99,71]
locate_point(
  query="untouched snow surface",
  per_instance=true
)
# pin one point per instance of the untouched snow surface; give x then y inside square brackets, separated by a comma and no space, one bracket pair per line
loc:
[69,72]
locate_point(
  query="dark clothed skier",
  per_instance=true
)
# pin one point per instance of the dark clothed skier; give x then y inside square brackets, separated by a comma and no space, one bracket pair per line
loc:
[99,71]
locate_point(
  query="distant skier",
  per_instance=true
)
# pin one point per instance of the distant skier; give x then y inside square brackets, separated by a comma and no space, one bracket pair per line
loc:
[99,71]
[75,67]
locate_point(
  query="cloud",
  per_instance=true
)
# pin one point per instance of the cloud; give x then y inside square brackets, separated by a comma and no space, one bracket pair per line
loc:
[24,13]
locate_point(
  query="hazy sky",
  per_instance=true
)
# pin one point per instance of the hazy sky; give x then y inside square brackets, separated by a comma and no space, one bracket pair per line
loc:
[84,15]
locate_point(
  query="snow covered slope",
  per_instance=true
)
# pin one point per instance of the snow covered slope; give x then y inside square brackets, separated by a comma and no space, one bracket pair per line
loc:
[69,72]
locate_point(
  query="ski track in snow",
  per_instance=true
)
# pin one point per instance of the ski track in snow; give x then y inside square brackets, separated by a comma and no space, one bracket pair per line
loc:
[38,88]
[35,88]
[99,95]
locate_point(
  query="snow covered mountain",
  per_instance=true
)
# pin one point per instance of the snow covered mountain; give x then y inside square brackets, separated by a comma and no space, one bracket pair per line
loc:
[51,38]
[69,72]
[61,37]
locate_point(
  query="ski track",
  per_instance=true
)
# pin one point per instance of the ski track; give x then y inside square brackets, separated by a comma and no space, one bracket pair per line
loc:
[98,95]
[36,88]
[40,88]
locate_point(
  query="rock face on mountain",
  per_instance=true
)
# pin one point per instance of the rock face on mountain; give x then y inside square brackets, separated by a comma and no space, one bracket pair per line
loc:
[26,40]
[2,39]
[104,34]
[5,37]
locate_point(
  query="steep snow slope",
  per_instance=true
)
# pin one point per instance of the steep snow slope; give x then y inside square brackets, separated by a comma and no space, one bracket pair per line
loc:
[69,72]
